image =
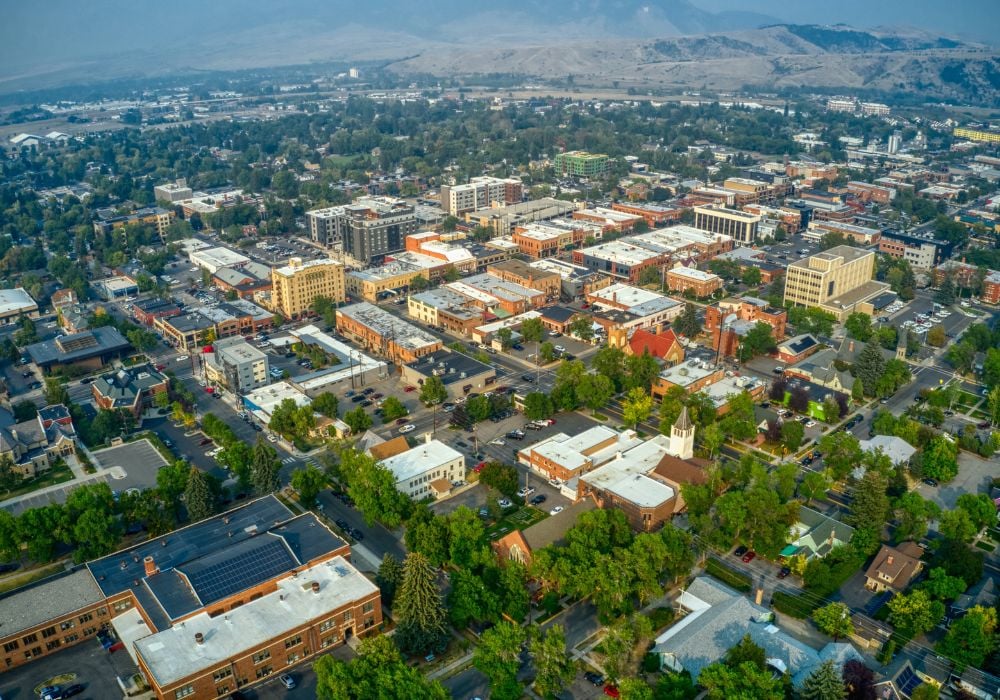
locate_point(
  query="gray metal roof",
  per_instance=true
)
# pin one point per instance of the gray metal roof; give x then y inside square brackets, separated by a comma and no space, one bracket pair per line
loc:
[46,600]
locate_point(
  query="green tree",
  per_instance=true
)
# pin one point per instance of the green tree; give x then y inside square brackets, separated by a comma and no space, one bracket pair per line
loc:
[641,371]
[971,638]
[373,489]
[554,669]
[859,326]
[198,496]
[687,324]
[913,512]
[751,277]
[532,330]
[870,507]
[55,392]
[757,341]
[979,507]
[869,368]
[506,337]
[420,615]
[171,481]
[956,525]
[308,481]
[834,619]
[594,391]
[939,459]
[498,657]
[378,671]
[914,613]
[712,438]
[636,407]
[326,404]
[433,392]
[393,409]
[358,420]
[721,682]
[24,410]
[546,353]
[824,683]
[925,691]
[814,485]
[264,468]
[792,433]
[940,586]
[858,390]
[388,577]
[499,476]
[582,327]
[675,686]
[622,640]
[959,560]
[537,406]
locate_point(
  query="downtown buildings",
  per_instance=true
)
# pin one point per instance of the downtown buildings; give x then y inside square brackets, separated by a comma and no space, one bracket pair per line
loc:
[367,229]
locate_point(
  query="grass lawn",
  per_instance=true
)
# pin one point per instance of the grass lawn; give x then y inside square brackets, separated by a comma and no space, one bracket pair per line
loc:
[57,474]
[985,546]
[518,520]
[26,577]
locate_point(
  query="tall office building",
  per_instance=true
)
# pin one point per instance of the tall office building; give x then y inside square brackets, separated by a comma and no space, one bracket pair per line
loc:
[741,226]
[480,193]
[295,286]
[369,228]
[838,281]
[326,226]
[237,364]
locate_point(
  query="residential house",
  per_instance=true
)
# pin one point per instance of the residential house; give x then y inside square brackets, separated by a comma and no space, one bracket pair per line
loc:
[33,445]
[894,568]
[132,389]
[663,346]
[815,535]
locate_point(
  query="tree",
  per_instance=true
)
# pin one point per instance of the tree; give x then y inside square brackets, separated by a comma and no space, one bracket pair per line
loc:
[327,404]
[913,512]
[869,368]
[712,438]
[501,477]
[636,407]
[814,485]
[859,680]
[752,277]
[723,682]
[687,324]
[55,392]
[757,341]
[377,672]
[537,406]
[641,371]
[971,638]
[871,503]
[956,525]
[940,586]
[532,330]
[420,615]
[582,327]
[594,391]
[792,433]
[834,619]
[858,390]
[914,613]
[264,468]
[925,691]
[945,294]
[198,496]
[388,577]
[554,669]
[373,488]
[433,392]
[358,420]
[936,336]
[859,326]
[980,508]
[392,409]
[939,459]
[546,353]
[24,410]
[823,684]
[959,560]
[498,657]
[621,642]
[506,337]
[308,481]
[171,481]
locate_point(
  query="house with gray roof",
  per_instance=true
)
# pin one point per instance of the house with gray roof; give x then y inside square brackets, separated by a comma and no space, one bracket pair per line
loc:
[33,445]
[815,535]
[715,619]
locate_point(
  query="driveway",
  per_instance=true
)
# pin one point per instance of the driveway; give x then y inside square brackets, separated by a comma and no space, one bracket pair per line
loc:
[974,475]
[96,669]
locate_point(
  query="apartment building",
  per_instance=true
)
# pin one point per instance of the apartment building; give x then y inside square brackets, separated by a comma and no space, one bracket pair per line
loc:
[977,135]
[480,193]
[741,226]
[172,191]
[522,273]
[838,280]
[381,332]
[428,470]
[862,235]
[327,225]
[730,319]
[15,303]
[155,217]
[624,307]
[921,253]
[236,364]
[503,220]
[295,286]
[654,215]
[582,164]
[700,283]
[377,226]
[619,259]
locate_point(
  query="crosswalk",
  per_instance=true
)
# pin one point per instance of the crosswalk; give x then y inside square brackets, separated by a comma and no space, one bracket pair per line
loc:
[311,461]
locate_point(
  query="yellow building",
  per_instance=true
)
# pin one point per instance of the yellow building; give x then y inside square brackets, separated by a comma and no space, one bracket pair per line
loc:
[296,286]
[838,281]
[977,135]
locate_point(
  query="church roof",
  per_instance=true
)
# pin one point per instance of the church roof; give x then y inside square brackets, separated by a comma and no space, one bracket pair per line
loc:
[683,420]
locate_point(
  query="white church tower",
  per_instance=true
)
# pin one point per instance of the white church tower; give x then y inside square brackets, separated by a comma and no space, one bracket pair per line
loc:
[682,436]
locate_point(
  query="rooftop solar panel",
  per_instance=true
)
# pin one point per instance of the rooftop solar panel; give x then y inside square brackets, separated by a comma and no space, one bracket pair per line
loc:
[907,681]
[241,571]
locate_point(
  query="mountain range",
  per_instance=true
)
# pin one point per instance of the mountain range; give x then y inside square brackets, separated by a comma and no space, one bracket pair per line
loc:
[647,43]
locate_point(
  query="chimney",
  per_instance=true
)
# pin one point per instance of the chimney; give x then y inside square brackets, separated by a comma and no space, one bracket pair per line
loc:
[315,586]
[889,560]
[850,346]
[199,637]
[759,597]
[150,565]
[427,438]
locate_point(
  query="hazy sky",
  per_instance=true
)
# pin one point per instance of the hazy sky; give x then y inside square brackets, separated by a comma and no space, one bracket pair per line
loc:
[978,18]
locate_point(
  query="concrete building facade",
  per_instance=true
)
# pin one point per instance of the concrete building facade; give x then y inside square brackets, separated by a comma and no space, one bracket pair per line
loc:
[295,286]
[741,226]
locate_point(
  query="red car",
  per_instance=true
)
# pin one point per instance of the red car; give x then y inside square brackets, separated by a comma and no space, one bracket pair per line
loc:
[611,691]
[209,390]
[401,421]
[479,467]
[409,389]
[161,367]
[749,556]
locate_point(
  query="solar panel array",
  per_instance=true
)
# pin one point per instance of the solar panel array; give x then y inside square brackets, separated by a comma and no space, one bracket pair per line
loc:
[241,571]
[907,681]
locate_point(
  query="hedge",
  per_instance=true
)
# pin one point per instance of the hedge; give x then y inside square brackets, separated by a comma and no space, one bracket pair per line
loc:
[734,579]
[794,605]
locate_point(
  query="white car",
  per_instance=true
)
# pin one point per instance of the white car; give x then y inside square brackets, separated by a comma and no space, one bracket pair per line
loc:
[408,428]
[504,503]
[810,424]
[526,491]
[272,438]
[966,304]
[498,441]
[181,358]
[556,510]
[559,348]
[203,383]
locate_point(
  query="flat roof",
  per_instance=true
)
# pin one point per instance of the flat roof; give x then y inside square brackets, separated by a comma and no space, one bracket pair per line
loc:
[620,252]
[78,346]
[267,398]
[173,654]
[693,273]
[297,265]
[845,252]
[420,459]
[53,597]
[403,334]
[688,372]
[15,300]
[217,257]
[450,366]
[638,301]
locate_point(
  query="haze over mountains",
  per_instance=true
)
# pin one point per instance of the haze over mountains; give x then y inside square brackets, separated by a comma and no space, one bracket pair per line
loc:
[656,42]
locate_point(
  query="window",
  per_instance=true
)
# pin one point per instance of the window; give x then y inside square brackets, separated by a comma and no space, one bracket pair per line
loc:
[326,625]
[293,657]
[261,656]
[289,643]
[46,633]
[11,646]
[184,692]
[368,607]
[123,605]
[348,615]
[86,618]
[66,625]
[70,638]
[222,674]
[54,644]
[29,639]
[222,690]
[264,671]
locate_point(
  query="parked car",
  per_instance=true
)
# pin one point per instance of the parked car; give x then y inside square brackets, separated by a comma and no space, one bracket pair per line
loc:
[408,428]
[749,556]
[400,421]
[931,482]
[740,551]
[612,691]
[287,681]
[783,573]
[72,690]
[409,389]
[525,491]
[528,378]
[504,503]
[594,678]
[515,435]
[539,499]
[556,510]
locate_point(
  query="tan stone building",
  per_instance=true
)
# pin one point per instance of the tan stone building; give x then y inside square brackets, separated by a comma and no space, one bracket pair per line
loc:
[295,286]
[838,281]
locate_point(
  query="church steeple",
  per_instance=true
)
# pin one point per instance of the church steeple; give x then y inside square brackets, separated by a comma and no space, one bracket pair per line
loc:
[682,436]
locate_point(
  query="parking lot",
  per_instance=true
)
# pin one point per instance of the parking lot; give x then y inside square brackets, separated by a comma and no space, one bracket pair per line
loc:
[95,668]
[138,460]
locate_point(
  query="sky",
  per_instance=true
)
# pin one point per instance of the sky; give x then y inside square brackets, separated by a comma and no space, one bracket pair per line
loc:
[979,19]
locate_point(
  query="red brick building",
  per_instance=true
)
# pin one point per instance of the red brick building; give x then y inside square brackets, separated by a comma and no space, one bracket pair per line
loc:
[742,313]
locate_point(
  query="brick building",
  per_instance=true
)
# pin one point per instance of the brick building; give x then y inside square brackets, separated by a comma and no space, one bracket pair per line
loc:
[690,279]
[727,321]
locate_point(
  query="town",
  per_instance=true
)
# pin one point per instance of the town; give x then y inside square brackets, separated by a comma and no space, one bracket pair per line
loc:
[379,393]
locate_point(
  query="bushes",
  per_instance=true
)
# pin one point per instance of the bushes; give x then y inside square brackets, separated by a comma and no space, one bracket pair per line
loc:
[734,579]
[797,606]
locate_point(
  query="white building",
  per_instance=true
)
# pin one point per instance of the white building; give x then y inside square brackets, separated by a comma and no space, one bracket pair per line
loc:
[173,191]
[428,469]
[14,303]
[262,402]
[214,259]
[237,364]
[480,193]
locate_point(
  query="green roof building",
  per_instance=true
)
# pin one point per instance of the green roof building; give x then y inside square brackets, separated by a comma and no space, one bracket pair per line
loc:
[582,164]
